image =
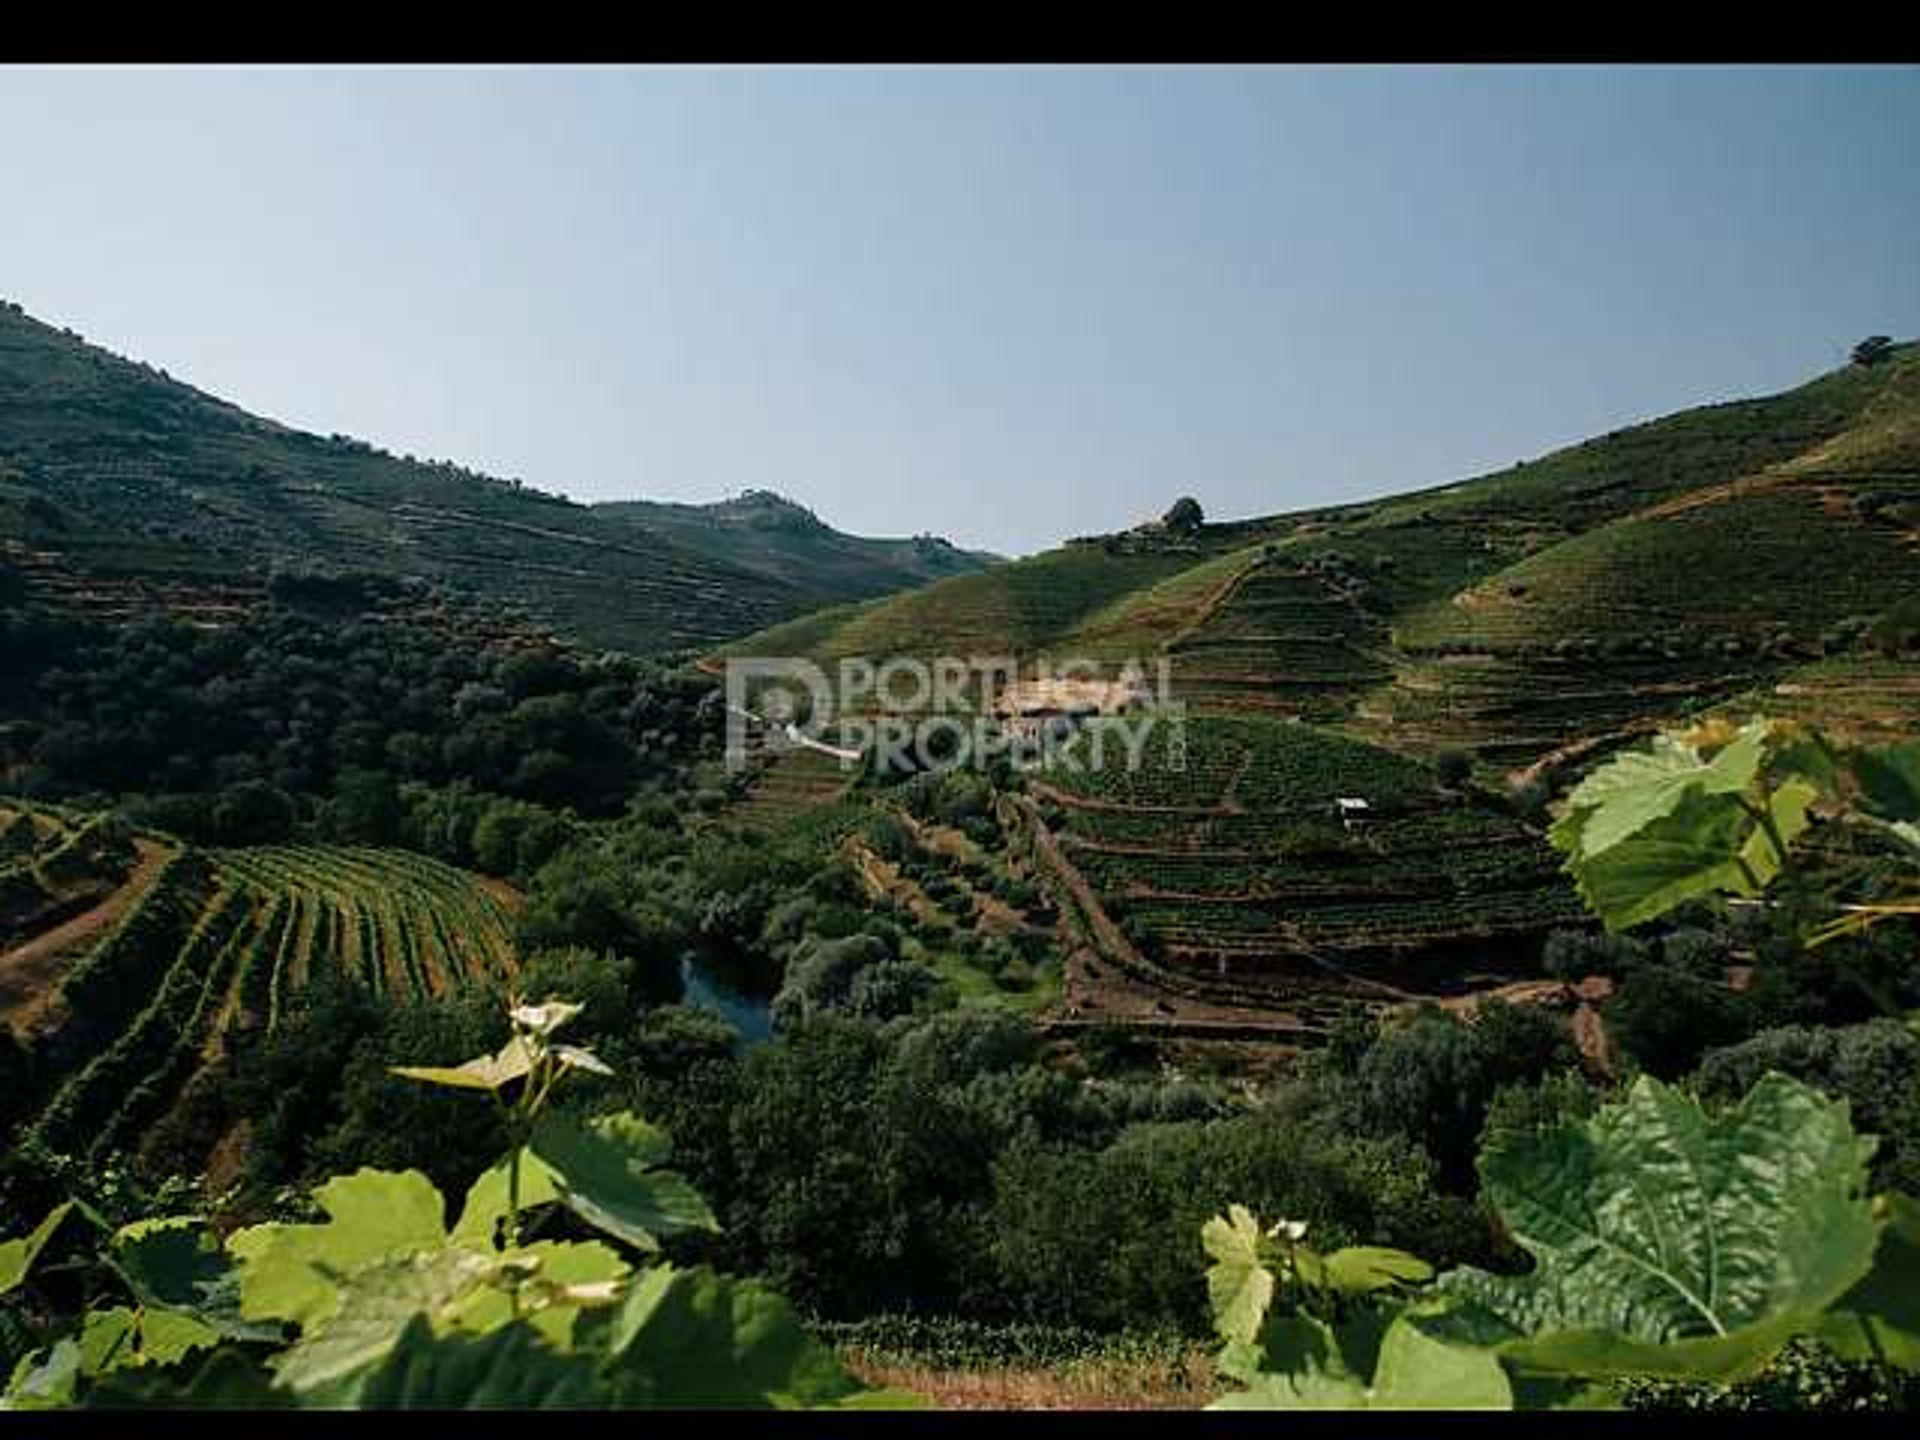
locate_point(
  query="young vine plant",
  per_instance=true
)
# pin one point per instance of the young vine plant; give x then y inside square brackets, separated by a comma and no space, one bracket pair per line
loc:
[385,1304]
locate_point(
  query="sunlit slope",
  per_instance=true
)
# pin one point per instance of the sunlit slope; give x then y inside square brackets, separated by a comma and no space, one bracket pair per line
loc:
[1825,534]
[1013,609]
[110,469]
[1607,586]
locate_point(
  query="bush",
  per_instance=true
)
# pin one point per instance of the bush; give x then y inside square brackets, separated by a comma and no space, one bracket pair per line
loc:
[1430,1077]
[1104,1238]
[1665,1017]
[1572,955]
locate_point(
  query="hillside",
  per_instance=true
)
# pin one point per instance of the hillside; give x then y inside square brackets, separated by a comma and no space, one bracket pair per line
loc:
[161,964]
[121,486]
[786,542]
[1597,589]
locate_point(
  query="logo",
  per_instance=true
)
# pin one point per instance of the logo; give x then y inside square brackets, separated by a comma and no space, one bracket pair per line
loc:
[906,715]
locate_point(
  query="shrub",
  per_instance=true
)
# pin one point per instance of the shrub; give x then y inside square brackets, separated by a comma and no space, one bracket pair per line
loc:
[1665,1018]
[1573,955]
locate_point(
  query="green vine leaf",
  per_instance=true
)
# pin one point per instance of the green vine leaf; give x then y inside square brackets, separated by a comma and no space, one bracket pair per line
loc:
[1890,782]
[45,1379]
[1239,1284]
[376,1302]
[1364,1269]
[17,1256]
[486,1204]
[293,1272]
[1667,1242]
[224,1380]
[693,1339]
[508,1369]
[1879,1319]
[566,1278]
[604,1171]
[512,1061]
[1414,1371]
[1622,798]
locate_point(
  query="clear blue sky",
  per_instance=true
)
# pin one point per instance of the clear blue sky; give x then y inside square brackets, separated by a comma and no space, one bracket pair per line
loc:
[1005,304]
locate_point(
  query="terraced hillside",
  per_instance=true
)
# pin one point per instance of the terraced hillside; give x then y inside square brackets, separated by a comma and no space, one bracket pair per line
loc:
[1591,593]
[786,784]
[55,864]
[1231,871]
[113,470]
[200,944]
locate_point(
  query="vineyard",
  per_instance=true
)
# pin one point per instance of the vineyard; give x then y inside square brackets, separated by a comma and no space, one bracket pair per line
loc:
[216,942]
[1238,871]
[53,864]
[788,783]
[1277,637]
[1730,567]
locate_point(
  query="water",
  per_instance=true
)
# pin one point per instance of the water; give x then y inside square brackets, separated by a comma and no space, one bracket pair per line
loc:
[747,1007]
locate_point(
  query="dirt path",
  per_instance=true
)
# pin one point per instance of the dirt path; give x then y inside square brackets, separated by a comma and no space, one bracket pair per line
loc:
[27,971]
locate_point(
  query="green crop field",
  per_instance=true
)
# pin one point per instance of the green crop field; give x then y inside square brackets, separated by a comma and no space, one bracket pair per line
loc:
[223,940]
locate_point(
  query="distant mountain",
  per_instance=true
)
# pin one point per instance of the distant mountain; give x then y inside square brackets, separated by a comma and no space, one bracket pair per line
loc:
[120,484]
[773,536]
[1750,553]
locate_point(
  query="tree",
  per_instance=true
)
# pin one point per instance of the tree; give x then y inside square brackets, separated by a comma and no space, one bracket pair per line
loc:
[1872,350]
[1185,516]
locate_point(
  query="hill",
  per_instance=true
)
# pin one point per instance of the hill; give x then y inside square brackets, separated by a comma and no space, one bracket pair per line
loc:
[1753,555]
[773,536]
[121,485]
[1564,600]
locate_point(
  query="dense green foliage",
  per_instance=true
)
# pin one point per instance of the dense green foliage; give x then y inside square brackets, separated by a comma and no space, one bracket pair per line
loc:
[385,1304]
[357,730]
[1667,1244]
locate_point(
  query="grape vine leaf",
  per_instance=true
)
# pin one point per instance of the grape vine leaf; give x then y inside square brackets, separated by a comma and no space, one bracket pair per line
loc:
[290,1272]
[1238,1282]
[1621,798]
[509,1368]
[1363,1269]
[224,1380]
[168,1261]
[1413,1371]
[604,1172]
[17,1256]
[512,1061]
[169,1335]
[696,1339]
[1706,843]
[107,1339]
[174,1266]
[1670,1243]
[566,1277]
[1879,1319]
[45,1379]
[375,1303]
[486,1203]
[1890,789]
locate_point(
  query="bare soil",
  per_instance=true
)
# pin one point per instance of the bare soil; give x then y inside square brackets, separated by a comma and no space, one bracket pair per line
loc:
[27,972]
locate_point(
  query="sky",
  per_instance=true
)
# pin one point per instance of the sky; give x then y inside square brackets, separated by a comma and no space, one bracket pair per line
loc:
[1003,304]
